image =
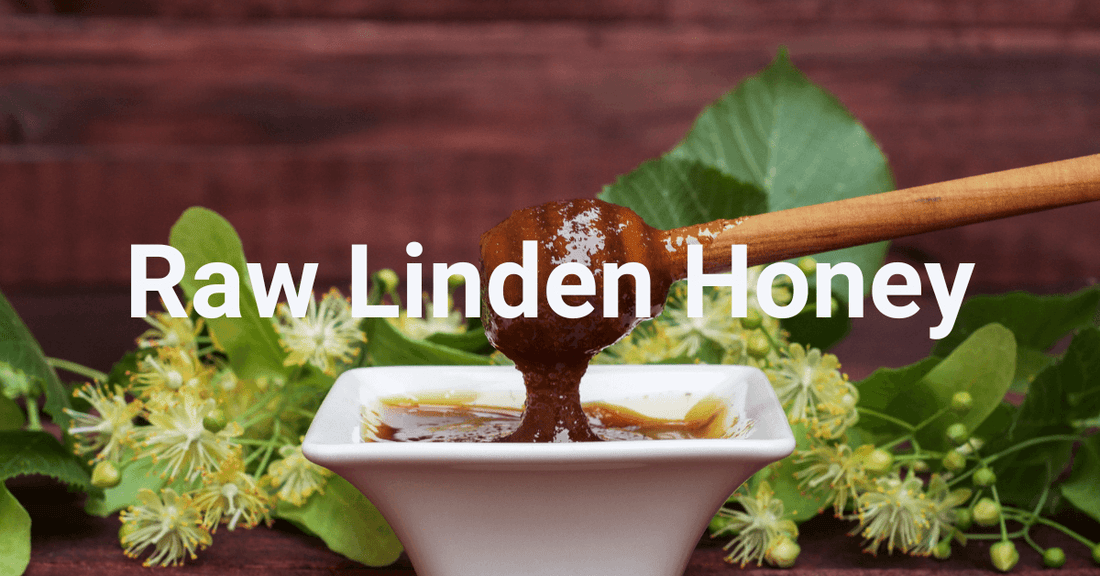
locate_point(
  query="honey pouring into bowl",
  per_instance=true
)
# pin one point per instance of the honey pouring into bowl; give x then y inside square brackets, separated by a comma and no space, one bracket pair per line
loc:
[537,505]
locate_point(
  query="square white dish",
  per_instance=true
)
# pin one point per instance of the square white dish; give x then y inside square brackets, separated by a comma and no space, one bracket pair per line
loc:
[633,508]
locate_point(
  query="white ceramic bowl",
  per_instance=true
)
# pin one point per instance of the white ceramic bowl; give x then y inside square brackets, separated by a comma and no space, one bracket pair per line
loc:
[634,508]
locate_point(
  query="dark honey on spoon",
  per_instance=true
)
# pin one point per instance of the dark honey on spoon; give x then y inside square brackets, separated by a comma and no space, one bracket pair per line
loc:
[550,350]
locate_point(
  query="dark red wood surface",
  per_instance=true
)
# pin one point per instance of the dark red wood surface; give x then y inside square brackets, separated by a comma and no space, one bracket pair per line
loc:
[66,542]
[314,125]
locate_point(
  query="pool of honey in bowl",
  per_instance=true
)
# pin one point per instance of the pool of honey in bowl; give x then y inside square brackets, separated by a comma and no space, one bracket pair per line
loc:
[403,421]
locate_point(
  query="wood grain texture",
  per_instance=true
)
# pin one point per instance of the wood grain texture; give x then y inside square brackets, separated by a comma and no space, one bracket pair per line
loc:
[66,543]
[313,135]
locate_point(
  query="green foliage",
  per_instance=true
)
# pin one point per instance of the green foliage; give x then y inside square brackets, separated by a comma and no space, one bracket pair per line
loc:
[669,193]
[15,535]
[776,141]
[1080,489]
[1037,322]
[796,142]
[798,504]
[1061,394]
[26,452]
[11,415]
[982,366]
[360,532]
[250,341]
[136,475]
[473,340]
[389,347]
[19,349]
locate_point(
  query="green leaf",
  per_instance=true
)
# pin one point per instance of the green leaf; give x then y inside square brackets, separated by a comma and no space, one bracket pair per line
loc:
[798,505]
[880,390]
[11,415]
[136,475]
[1064,392]
[15,535]
[250,341]
[796,142]
[982,365]
[1038,322]
[389,347]
[25,452]
[1080,489]
[473,341]
[347,522]
[19,349]
[669,193]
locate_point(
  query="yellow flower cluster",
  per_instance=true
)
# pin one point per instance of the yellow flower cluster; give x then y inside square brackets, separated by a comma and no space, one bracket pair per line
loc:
[228,446]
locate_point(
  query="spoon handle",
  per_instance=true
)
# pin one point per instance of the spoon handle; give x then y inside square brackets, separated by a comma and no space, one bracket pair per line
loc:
[812,229]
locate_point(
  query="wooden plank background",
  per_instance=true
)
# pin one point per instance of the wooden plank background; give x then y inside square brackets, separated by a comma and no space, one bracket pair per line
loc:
[315,125]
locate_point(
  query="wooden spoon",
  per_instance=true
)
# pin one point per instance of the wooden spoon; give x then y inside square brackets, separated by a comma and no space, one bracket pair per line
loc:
[843,223]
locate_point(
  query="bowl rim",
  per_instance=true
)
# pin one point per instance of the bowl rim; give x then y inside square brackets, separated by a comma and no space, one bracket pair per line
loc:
[323,446]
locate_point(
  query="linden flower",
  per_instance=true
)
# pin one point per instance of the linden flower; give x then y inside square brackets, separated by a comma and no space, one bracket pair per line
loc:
[171,332]
[325,336]
[168,522]
[177,440]
[812,390]
[895,511]
[942,521]
[759,528]
[646,345]
[230,495]
[168,370]
[421,328]
[105,431]
[295,477]
[714,325]
[836,470]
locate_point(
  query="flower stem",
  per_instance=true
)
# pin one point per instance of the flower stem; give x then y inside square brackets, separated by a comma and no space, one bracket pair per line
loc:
[77,369]
[1032,543]
[995,536]
[1088,543]
[269,449]
[886,417]
[997,499]
[34,421]
[1014,448]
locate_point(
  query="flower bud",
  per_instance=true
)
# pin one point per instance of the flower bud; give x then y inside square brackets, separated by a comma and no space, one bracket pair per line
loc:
[954,461]
[879,461]
[963,519]
[961,402]
[105,475]
[942,551]
[807,265]
[387,280]
[783,552]
[987,512]
[1054,558]
[1004,555]
[758,346]
[919,466]
[957,433]
[215,421]
[984,477]
[752,320]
